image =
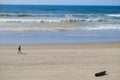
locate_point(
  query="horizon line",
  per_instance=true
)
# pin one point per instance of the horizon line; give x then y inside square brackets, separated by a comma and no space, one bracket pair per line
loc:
[62,4]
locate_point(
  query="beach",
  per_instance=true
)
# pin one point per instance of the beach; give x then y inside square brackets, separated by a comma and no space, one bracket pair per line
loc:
[59,42]
[60,61]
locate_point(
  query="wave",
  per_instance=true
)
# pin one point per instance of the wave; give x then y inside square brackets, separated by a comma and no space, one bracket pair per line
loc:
[61,28]
[31,20]
[57,15]
[36,15]
[108,27]
[114,15]
[13,15]
[50,20]
[58,18]
[37,29]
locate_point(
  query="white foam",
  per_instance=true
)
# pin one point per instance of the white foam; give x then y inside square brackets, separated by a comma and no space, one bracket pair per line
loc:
[102,28]
[31,20]
[49,20]
[36,20]
[37,29]
[114,15]
[58,28]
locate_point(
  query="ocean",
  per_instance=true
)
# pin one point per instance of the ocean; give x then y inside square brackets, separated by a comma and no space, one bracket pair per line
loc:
[59,24]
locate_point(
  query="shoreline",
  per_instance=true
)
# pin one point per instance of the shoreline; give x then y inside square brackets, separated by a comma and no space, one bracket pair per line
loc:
[102,45]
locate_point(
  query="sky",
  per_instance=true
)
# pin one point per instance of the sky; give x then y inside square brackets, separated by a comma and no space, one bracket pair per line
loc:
[62,2]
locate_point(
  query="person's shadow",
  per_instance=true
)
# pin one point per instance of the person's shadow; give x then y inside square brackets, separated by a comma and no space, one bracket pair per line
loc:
[24,53]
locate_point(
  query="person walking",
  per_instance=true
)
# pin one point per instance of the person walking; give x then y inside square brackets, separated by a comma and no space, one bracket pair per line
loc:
[19,50]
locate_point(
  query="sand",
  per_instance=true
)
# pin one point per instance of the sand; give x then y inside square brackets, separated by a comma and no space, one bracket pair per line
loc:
[60,62]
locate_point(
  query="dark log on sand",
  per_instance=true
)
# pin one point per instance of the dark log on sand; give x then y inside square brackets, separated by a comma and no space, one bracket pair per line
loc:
[100,74]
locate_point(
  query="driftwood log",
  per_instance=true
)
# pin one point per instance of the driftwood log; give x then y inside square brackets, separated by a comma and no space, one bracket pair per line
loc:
[100,74]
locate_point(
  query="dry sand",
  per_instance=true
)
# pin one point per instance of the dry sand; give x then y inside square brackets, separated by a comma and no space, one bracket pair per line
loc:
[60,62]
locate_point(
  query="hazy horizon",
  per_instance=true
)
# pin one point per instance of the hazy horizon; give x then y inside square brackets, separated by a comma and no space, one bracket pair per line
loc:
[61,2]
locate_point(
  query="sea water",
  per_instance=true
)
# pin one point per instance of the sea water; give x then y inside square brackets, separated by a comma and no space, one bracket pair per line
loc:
[59,24]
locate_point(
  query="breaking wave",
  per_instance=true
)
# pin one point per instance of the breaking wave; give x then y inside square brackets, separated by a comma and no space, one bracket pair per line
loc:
[34,28]
[48,18]
[57,20]
[57,15]
[114,15]
[102,28]
[23,18]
